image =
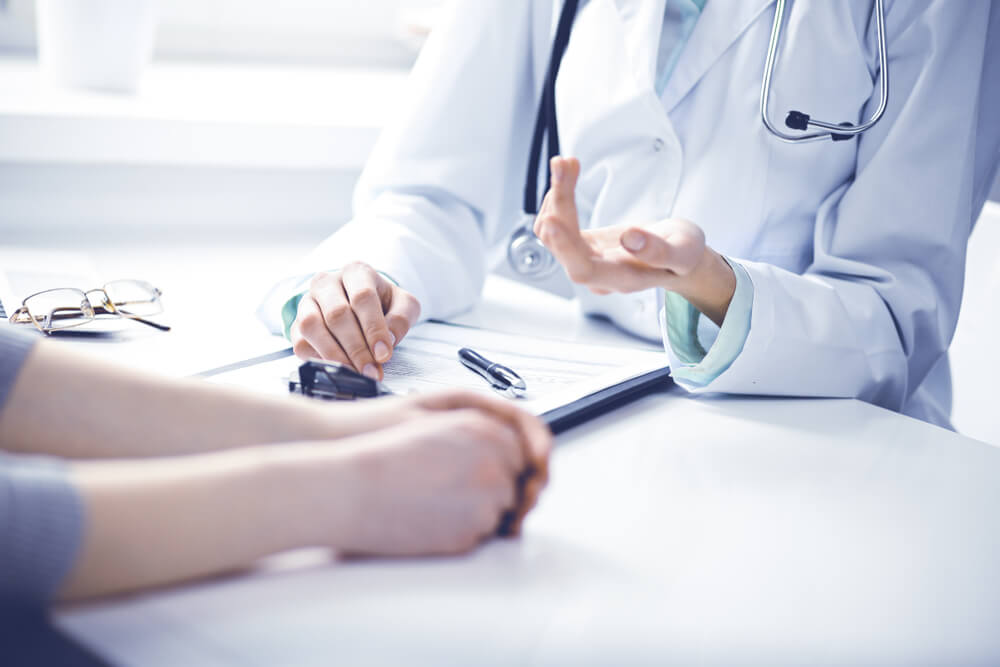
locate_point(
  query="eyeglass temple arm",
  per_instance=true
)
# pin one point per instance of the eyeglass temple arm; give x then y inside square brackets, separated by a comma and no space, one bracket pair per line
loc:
[155,325]
[124,313]
[69,313]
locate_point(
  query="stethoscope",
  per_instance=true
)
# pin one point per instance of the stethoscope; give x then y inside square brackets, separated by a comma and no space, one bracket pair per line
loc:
[529,257]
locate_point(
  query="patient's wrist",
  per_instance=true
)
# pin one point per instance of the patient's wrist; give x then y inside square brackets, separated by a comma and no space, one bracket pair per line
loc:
[310,492]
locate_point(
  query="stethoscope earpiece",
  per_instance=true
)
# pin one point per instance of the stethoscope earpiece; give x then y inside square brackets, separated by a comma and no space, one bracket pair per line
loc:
[796,120]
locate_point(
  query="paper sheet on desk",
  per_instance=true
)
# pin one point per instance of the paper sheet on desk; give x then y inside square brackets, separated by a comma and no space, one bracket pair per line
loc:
[24,271]
[556,372]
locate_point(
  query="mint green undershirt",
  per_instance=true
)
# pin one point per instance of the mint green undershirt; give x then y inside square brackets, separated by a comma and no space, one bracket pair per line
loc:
[288,313]
[679,20]
[699,367]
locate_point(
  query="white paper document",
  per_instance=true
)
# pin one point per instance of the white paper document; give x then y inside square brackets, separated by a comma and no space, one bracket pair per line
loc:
[24,271]
[556,372]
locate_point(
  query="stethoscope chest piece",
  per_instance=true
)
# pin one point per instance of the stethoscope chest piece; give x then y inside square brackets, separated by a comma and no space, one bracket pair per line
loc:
[526,253]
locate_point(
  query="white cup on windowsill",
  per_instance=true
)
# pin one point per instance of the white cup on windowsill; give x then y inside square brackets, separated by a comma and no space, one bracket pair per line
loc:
[98,44]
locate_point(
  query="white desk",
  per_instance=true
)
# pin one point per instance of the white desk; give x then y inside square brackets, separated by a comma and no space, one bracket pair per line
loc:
[717,531]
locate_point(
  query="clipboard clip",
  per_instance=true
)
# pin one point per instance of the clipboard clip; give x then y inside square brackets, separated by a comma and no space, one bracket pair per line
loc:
[331,381]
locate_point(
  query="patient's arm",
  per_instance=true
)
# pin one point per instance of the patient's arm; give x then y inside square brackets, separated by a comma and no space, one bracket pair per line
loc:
[66,404]
[440,484]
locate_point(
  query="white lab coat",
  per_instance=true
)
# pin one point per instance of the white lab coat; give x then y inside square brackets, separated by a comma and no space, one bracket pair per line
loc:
[856,249]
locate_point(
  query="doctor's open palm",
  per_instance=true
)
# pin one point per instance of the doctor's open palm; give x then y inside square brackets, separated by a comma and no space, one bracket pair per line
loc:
[670,254]
[355,316]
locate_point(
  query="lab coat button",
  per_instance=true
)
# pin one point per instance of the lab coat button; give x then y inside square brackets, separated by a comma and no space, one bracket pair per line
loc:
[658,145]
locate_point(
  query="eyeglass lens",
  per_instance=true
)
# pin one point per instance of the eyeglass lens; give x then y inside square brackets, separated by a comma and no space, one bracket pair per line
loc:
[60,308]
[134,297]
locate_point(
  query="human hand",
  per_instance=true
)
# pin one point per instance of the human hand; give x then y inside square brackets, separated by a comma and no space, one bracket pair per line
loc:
[440,484]
[670,254]
[364,417]
[353,316]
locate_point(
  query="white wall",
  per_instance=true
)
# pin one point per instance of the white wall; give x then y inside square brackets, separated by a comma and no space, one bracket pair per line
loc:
[41,201]
[369,32]
[975,353]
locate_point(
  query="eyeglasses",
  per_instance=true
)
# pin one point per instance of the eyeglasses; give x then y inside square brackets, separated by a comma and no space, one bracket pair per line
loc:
[66,307]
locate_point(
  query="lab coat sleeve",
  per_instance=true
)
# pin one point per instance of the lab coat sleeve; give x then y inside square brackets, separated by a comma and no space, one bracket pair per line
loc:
[878,306]
[446,174]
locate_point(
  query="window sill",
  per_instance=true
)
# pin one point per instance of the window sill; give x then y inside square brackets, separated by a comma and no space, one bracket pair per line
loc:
[190,114]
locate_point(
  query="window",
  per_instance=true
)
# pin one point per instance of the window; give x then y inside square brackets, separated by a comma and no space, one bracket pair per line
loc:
[370,32]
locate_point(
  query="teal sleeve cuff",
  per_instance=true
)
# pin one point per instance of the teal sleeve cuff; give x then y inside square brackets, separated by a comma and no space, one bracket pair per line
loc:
[699,367]
[288,313]
[291,307]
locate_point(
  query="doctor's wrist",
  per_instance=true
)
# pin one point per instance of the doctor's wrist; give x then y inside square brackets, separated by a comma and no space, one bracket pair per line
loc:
[709,287]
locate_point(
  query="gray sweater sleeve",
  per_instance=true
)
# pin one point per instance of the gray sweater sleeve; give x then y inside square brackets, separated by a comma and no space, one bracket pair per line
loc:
[41,514]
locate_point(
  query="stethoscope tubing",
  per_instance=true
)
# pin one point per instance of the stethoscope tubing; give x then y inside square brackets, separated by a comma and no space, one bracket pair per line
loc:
[829,129]
[546,126]
[528,255]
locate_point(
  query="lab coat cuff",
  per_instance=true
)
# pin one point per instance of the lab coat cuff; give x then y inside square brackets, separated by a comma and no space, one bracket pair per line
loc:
[692,367]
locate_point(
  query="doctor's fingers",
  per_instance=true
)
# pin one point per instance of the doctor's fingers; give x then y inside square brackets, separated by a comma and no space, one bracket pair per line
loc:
[559,202]
[676,245]
[310,337]
[623,273]
[562,195]
[570,249]
[369,295]
[300,346]
[402,313]
[342,324]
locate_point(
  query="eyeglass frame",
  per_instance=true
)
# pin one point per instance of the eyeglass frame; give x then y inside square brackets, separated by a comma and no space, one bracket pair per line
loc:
[91,313]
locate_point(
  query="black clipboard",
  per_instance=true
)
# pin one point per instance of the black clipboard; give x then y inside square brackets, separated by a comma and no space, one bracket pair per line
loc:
[559,419]
[605,400]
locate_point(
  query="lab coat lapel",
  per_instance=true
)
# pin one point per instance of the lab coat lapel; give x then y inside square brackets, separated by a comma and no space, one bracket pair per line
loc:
[643,23]
[721,23]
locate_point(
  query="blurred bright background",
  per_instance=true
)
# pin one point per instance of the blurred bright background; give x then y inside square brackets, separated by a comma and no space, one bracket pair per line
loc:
[251,124]
[254,114]
[310,32]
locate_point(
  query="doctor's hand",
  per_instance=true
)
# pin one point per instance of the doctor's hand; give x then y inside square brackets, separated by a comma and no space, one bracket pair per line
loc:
[670,254]
[354,316]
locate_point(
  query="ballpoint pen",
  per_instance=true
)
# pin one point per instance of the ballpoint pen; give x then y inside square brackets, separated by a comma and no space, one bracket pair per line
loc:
[501,378]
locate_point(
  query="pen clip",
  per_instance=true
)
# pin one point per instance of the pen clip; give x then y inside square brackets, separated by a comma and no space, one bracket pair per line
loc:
[508,379]
[500,378]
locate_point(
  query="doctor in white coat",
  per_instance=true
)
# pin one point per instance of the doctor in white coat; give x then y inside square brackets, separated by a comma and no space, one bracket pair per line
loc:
[807,269]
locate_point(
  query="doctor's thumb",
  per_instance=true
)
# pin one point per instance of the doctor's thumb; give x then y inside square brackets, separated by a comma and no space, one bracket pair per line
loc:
[647,247]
